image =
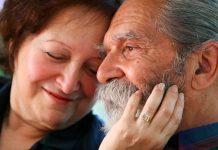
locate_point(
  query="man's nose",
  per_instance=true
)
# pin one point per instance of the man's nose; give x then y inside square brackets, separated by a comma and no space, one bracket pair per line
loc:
[109,69]
[69,80]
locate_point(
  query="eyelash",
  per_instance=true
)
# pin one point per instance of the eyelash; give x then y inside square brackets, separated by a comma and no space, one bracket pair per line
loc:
[94,72]
[128,50]
[91,71]
[52,55]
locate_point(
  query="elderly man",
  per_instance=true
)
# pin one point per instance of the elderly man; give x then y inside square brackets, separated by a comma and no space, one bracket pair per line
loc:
[170,41]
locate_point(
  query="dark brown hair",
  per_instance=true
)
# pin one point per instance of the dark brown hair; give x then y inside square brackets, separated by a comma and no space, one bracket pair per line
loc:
[20,18]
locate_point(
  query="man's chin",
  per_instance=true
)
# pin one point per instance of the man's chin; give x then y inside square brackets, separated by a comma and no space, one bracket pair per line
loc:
[115,96]
[113,118]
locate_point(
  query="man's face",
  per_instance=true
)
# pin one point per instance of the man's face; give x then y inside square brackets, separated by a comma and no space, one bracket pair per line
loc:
[138,56]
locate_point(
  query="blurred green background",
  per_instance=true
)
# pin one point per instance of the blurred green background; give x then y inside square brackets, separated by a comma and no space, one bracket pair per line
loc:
[1,72]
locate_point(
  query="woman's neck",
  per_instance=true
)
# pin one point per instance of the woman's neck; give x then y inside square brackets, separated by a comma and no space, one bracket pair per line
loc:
[18,134]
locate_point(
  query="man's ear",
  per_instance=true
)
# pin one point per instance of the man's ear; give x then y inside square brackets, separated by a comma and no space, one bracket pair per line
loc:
[206,69]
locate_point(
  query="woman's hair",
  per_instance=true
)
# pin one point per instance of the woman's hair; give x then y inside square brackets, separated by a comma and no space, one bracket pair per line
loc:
[21,18]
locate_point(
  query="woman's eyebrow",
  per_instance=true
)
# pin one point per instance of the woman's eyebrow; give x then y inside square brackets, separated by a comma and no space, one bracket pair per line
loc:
[60,42]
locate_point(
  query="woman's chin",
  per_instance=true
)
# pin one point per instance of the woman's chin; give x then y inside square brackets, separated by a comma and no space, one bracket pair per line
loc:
[55,122]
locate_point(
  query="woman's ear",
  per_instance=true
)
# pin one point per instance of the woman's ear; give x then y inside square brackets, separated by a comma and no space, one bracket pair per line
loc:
[206,69]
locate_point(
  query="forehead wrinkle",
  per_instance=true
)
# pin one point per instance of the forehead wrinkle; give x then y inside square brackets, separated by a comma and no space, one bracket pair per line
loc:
[142,38]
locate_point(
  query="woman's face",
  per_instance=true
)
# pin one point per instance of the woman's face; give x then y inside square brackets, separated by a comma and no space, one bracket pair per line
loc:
[55,71]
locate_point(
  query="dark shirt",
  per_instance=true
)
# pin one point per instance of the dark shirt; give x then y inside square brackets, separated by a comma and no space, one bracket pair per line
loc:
[204,137]
[86,134]
[200,138]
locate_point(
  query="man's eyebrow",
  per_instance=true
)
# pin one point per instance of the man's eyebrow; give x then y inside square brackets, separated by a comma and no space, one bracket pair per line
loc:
[126,36]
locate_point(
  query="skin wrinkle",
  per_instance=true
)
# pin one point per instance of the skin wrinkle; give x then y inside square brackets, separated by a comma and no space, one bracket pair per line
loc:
[142,42]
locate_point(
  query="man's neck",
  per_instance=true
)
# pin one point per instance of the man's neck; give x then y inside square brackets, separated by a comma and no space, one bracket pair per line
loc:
[201,110]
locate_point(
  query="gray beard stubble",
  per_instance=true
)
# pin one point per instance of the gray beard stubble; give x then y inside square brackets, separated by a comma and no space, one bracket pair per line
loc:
[116,93]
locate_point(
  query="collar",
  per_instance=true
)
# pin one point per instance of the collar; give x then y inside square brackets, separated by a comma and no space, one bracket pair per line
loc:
[201,137]
[65,138]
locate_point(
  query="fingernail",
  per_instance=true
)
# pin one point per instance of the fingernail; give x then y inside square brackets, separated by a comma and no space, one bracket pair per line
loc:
[161,86]
[181,96]
[174,88]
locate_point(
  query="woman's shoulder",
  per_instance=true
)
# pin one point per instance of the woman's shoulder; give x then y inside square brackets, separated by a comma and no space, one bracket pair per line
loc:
[4,80]
[95,134]
[5,83]
[86,134]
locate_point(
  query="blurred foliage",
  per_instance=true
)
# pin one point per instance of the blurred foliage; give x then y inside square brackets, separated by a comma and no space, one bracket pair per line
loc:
[1,73]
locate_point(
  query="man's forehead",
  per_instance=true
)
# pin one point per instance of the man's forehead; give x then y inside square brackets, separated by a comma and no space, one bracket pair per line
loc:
[143,8]
[130,31]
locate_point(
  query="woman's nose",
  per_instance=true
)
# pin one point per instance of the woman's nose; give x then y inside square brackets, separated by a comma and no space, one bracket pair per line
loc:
[69,80]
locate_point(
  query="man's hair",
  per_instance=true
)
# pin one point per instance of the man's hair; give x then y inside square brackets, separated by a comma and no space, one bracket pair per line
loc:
[190,23]
[21,18]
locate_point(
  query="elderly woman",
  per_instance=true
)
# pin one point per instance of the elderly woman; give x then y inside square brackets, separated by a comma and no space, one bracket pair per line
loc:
[51,55]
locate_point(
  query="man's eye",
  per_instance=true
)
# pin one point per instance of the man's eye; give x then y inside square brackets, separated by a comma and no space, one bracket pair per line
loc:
[55,56]
[129,48]
[129,51]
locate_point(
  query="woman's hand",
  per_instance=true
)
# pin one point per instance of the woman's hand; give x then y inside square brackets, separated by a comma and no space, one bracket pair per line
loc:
[158,121]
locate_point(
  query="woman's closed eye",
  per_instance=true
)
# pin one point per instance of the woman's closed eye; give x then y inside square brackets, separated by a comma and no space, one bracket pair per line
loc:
[56,56]
[91,71]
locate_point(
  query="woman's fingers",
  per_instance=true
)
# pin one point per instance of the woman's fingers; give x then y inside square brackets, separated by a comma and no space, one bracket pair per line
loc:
[165,115]
[176,118]
[166,109]
[152,104]
[132,106]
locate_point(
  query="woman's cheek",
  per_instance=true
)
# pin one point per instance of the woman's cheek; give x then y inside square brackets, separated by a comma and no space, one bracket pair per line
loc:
[37,70]
[89,85]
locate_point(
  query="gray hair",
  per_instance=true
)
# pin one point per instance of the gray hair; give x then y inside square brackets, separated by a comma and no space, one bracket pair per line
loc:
[190,23]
